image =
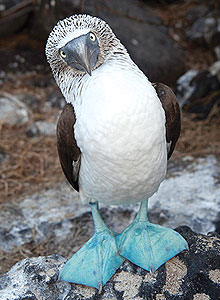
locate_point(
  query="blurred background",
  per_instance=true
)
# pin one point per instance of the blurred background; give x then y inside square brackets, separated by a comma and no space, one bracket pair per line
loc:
[174,42]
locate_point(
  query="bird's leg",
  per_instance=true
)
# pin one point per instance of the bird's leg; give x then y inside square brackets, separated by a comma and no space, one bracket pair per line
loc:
[149,245]
[96,262]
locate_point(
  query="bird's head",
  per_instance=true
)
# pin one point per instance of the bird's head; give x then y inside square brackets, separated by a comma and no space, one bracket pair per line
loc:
[78,45]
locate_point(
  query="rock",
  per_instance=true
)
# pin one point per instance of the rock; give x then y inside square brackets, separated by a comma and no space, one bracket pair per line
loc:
[13,111]
[40,128]
[146,39]
[13,15]
[39,81]
[214,69]
[21,60]
[3,77]
[205,31]
[55,99]
[197,92]
[39,217]
[190,196]
[196,12]
[56,216]
[184,87]
[217,52]
[139,29]
[31,101]
[193,274]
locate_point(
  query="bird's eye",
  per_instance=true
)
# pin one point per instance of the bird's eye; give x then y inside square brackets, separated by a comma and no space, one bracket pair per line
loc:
[92,37]
[62,54]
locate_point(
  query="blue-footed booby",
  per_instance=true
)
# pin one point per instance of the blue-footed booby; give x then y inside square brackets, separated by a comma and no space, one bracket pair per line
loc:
[114,137]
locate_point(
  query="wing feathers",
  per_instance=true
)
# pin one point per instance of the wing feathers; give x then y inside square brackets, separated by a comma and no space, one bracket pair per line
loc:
[69,152]
[172,113]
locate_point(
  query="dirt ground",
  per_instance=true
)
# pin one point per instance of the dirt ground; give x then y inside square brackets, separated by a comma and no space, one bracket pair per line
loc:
[32,163]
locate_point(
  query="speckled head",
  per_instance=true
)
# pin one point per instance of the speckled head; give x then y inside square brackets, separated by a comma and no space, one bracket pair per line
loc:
[74,27]
[77,45]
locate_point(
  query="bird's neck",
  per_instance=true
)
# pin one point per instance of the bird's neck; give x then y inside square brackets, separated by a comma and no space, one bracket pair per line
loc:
[71,86]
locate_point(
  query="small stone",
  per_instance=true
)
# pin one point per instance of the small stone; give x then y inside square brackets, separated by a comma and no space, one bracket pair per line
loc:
[217,52]
[197,92]
[31,101]
[41,128]
[56,99]
[184,87]
[196,12]
[13,111]
[205,31]
[214,69]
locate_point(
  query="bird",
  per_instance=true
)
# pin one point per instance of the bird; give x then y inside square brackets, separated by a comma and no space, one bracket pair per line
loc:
[115,135]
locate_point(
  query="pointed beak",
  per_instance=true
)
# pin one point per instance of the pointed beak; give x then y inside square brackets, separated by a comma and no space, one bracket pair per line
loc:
[81,53]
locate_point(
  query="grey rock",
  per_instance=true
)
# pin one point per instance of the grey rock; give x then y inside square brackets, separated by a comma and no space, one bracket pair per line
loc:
[214,69]
[39,81]
[185,88]
[205,31]
[55,99]
[13,111]
[197,92]
[193,274]
[191,197]
[41,128]
[34,278]
[25,60]
[217,52]
[31,101]
[146,39]
[56,213]
[196,12]
[3,77]
[57,216]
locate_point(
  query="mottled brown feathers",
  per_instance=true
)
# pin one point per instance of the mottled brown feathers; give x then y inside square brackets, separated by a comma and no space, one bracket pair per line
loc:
[69,152]
[172,113]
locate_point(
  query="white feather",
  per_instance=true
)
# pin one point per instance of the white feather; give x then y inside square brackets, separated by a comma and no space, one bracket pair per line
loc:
[120,130]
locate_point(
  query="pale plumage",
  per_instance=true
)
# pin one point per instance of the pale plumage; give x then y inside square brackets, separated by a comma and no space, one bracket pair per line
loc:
[109,116]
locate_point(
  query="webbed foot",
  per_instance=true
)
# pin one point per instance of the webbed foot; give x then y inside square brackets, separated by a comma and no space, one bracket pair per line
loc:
[149,245]
[95,263]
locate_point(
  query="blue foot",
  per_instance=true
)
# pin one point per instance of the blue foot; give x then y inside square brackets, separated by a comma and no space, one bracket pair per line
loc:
[149,245]
[95,263]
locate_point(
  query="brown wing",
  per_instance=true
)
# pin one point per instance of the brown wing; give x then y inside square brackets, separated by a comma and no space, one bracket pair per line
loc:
[69,152]
[172,113]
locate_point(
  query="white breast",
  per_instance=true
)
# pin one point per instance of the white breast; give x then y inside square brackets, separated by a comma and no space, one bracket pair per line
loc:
[120,130]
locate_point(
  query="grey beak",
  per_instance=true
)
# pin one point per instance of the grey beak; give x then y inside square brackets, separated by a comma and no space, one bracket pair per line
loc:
[82,53]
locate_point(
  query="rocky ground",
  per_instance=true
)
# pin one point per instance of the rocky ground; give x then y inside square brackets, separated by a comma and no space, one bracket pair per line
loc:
[176,43]
[193,275]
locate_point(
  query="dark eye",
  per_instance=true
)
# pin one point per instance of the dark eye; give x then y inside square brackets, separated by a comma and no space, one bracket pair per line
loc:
[62,54]
[92,37]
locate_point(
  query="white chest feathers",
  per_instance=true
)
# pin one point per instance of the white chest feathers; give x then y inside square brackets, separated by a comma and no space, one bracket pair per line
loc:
[120,130]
